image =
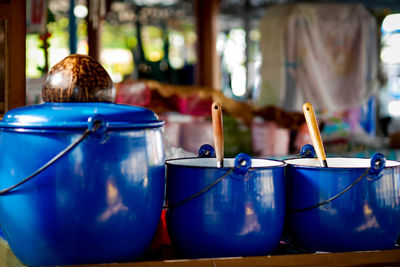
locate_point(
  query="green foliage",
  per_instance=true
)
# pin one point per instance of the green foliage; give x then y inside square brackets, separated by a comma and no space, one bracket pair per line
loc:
[153,43]
[237,137]
[50,16]
[34,56]
[120,36]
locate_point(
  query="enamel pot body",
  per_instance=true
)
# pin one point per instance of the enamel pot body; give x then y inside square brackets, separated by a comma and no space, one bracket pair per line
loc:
[352,205]
[237,210]
[100,202]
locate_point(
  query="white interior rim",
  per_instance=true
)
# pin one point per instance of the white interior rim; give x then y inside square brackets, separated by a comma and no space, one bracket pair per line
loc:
[228,162]
[339,162]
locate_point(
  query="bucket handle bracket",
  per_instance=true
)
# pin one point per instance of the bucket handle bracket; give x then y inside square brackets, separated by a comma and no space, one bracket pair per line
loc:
[206,151]
[378,163]
[98,126]
[307,151]
[242,164]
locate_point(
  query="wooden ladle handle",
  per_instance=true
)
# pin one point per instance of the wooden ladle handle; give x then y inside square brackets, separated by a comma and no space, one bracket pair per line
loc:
[314,133]
[216,113]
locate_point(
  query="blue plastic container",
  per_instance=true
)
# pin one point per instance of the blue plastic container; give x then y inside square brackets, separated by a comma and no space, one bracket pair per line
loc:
[100,202]
[353,205]
[237,210]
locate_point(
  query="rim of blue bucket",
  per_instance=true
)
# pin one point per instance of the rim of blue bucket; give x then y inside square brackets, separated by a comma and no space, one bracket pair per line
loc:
[76,116]
[171,162]
[389,164]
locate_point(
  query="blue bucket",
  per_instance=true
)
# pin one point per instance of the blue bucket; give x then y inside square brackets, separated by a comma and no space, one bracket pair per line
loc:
[236,210]
[98,185]
[352,205]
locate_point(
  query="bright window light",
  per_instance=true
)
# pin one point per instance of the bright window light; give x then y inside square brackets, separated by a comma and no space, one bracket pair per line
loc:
[390,55]
[239,81]
[80,11]
[391,23]
[234,60]
[155,2]
[394,108]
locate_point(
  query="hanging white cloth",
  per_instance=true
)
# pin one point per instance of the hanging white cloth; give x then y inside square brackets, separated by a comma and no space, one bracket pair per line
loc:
[322,53]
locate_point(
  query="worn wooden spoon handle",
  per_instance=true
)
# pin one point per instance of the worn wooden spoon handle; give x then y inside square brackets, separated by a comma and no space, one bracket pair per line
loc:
[216,113]
[314,133]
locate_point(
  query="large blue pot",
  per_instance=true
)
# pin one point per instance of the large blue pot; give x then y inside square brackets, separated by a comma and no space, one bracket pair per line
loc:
[100,202]
[353,205]
[237,210]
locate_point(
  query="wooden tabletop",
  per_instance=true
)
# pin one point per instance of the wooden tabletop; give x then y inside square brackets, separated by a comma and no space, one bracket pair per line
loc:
[367,258]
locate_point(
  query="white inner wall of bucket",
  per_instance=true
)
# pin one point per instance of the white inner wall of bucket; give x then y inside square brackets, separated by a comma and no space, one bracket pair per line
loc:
[339,162]
[228,162]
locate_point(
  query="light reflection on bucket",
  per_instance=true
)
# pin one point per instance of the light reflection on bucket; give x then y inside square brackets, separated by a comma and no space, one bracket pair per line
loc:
[363,211]
[241,214]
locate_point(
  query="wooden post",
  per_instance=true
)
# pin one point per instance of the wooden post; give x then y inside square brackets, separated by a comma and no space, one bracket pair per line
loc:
[12,54]
[72,28]
[93,28]
[208,63]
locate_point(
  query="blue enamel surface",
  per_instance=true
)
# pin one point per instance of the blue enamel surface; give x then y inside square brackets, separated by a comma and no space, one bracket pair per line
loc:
[99,203]
[76,116]
[366,217]
[242,215]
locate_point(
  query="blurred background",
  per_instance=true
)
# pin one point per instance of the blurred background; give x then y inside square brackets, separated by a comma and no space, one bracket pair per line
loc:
[261,58]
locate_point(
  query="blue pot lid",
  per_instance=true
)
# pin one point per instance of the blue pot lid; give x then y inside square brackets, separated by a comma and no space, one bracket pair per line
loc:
[70,116]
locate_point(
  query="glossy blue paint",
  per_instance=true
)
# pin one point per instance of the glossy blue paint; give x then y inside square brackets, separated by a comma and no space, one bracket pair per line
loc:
[99,203]
[366,217]
[74,116]
[242,215]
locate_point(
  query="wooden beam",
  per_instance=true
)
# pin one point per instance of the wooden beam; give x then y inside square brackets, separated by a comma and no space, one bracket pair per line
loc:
[94,28]
[13,87]
[208,63]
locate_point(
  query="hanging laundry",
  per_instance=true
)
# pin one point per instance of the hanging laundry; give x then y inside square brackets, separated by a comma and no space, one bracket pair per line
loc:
[322,53]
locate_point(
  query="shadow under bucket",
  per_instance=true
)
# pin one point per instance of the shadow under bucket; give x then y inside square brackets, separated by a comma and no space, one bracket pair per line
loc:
[237,210]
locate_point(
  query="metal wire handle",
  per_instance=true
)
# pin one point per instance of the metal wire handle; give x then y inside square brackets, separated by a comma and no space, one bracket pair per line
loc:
[373,173]
[335,196]
[205,189]
[96,125]
[242,165]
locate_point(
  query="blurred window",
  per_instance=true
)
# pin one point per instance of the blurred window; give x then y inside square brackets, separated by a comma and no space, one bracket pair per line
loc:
[390,57]
[117,44]
[240,76]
